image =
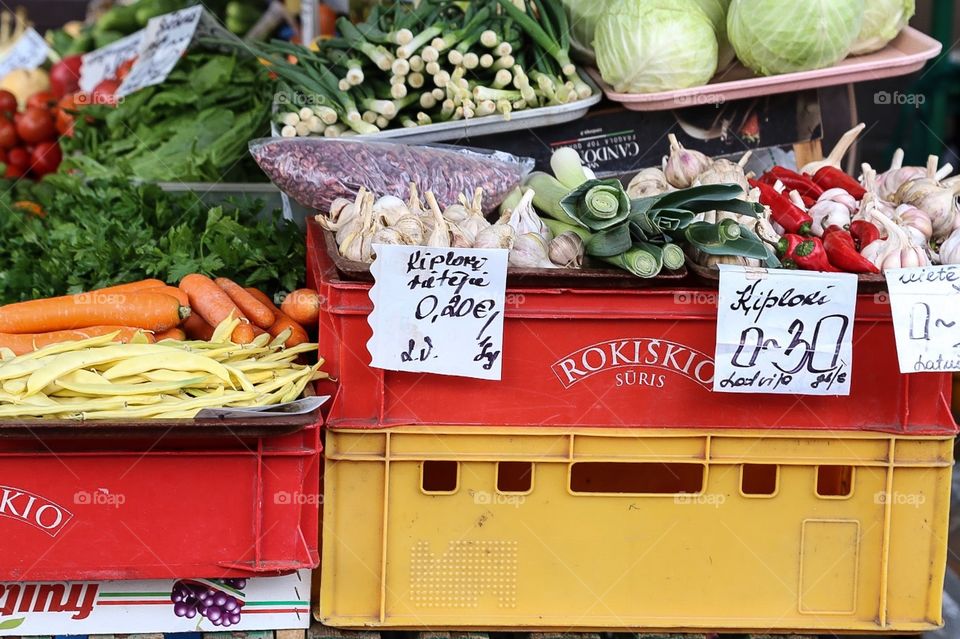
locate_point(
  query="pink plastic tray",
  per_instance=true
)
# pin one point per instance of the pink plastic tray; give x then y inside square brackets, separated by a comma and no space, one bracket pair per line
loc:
[906,54]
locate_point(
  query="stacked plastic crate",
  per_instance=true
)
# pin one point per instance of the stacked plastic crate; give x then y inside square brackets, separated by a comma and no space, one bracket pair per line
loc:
[601,484]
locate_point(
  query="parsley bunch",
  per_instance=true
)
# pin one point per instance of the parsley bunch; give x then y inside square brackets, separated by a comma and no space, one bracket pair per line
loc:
[111,231]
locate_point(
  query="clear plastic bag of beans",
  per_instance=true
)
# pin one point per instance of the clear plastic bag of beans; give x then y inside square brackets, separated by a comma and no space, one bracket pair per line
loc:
[316,171]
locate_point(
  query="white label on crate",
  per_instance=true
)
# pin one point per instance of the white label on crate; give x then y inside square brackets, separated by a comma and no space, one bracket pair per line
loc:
[438,310]
[784,332]
[30,51]
[165,38]
[103,63]
[925,304]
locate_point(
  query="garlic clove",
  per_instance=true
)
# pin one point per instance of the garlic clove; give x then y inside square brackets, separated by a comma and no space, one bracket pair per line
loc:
[566,250]
[530,251]
[495,236]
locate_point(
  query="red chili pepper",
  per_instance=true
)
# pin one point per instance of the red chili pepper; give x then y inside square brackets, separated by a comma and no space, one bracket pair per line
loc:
[811,256]
[788,242]
[796,182]
[807,200]
[864,233]
[842,252]
[783,211]
[830,177]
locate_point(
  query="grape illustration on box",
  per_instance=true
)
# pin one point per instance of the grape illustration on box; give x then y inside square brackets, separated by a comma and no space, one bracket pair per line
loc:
[218,600]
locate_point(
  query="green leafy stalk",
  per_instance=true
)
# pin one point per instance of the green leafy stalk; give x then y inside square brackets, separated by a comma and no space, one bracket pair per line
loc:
[597,204]
[639,260]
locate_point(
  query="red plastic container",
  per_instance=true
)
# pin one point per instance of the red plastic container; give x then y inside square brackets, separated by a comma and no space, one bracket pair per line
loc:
[630,358]
[153,508]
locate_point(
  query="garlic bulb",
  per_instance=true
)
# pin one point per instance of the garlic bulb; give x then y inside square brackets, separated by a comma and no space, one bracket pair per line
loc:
[648,182]
[840,196]
[682,167]
[939,202]
[826,214]
[342,212]
[356,246]
[897,250]
[725,172]
[440,234]
[530,251]
[411,228]
[950,249]
[914,221]
[495,236]
[460,237]
[524,218]
[414,205]
[475,222]
[456,213]
[390,209]
[387,236]
[566,250]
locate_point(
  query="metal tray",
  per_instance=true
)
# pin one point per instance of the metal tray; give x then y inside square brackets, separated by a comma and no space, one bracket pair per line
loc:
[592,276]
[492,124]
[866,283]
[41,428]
[904,55]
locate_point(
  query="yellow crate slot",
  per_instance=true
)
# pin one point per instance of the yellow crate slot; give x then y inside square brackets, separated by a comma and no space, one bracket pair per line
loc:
[602,529]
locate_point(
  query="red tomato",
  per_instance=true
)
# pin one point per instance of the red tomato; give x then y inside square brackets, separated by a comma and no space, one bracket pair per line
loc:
[8,134]
[3,156]
[64,123]
[13,171]
[18,157]
[41,100]
[8,102]
[36,125]
[45,158]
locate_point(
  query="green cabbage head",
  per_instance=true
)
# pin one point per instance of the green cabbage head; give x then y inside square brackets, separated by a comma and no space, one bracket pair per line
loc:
[583,18]
[783,36]
[716,10]
[883,20]
[644,46]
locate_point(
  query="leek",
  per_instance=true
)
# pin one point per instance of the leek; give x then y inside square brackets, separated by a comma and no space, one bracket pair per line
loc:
[639,261]
[673,256]
[567,166]
[597,204]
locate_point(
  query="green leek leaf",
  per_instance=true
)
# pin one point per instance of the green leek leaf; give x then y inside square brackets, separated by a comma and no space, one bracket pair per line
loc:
[597,204]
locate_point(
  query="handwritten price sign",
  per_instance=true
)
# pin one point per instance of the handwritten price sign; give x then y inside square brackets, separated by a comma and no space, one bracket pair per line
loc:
[29,52]
[165,39]
[438,310]
[925,304]
[784,332]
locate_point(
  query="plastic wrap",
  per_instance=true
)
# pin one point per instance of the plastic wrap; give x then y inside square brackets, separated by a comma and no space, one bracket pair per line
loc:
[316,171]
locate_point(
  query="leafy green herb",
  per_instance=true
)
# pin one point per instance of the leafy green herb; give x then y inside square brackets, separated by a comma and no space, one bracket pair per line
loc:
[107,232]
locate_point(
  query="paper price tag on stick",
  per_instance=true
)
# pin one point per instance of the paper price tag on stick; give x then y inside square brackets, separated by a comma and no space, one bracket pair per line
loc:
[165,40]
[29,52]
[438,310]
[925,304]
[103,63]
[784,332]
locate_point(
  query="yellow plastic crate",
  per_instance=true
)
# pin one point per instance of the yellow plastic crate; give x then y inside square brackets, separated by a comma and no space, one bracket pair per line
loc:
[498,528]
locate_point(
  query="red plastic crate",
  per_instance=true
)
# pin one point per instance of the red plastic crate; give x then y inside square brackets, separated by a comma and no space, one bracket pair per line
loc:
[560,368]
[155,508]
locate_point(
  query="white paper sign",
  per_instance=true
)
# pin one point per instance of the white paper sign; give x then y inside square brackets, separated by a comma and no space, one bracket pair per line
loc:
[30,51]
[438,310]
[103,63]
[784,332]
[165,38]
[925,304]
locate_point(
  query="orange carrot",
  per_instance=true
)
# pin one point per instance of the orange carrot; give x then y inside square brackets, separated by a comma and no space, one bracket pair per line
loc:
[197,328]
[302,306]
[297,335]
[212,304]
[258,313]
[173,291]
[130,287]
[21,343]
[243,334]
[149,311]
[172,333]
